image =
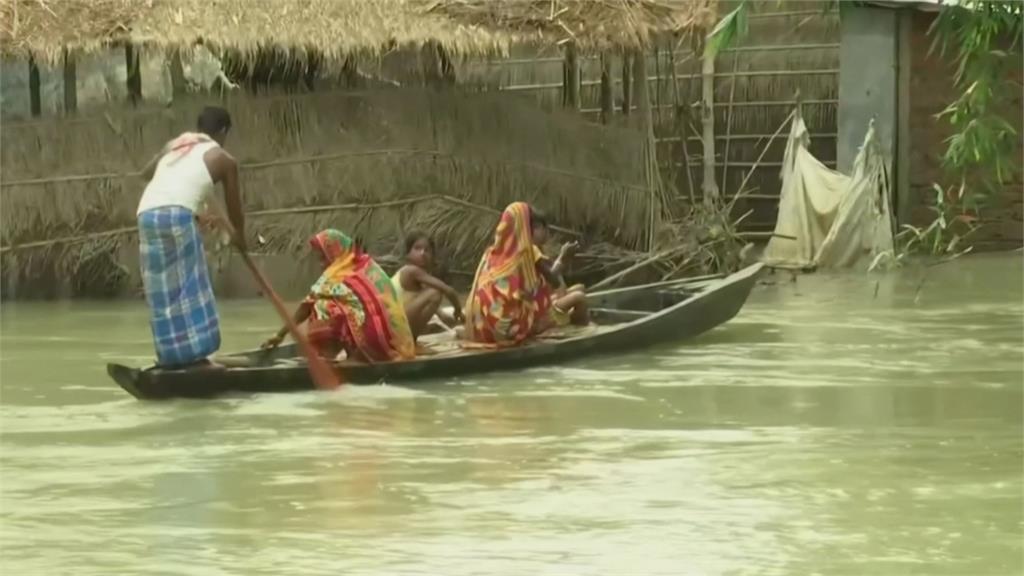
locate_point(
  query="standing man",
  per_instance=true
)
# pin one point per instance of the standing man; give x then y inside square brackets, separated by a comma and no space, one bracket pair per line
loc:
[181,179]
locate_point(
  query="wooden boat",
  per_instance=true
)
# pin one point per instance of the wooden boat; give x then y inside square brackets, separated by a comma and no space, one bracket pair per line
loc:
[624,319]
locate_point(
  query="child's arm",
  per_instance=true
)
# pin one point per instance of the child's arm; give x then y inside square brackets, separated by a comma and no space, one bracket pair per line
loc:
[567,253]
[547,270]
[424,278]
[301,314]
[553,272]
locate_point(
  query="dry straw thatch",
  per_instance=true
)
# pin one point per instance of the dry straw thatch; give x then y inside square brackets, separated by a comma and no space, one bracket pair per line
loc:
[334,29]
[590,24]
[376,164]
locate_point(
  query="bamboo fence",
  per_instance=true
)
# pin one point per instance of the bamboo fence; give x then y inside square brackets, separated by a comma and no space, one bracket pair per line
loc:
[382,162]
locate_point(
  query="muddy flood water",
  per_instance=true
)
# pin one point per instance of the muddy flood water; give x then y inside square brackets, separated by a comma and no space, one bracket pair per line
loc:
[839,425]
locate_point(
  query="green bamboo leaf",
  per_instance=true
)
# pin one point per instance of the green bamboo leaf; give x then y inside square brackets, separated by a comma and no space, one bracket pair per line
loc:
[731,27]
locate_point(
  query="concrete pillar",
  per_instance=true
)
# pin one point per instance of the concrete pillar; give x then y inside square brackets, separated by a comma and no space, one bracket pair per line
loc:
[868,60]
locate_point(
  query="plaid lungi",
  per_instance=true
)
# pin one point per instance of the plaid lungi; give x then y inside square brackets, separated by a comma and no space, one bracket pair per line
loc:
[183,312]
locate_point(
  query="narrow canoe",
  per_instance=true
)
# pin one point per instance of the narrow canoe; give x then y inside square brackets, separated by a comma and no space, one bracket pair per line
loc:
[625,319]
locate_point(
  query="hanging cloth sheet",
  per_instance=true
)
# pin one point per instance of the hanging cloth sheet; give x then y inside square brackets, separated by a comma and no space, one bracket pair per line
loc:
[828,219]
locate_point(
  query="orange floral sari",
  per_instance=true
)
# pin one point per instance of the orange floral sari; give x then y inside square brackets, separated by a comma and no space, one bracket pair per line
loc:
[509,299]
[355,304]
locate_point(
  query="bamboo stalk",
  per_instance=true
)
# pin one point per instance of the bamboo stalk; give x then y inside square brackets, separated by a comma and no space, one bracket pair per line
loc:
[338,155]
[728,123]
[747,48]
[607,103]
[70,83]
[708,187]
[58,179]
[627,84]
[657,86]
[646,120]
[637,266]
[675,282]
[681,127]
[34,96]
[134,75]
[178,87]
[571,78]
[746,74]
[743,137]
[743,184]
[748,104]
[285,211]
[769,164]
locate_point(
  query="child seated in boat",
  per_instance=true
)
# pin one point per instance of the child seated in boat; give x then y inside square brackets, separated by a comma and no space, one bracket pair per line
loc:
[569,304]
[517,293]
[352,307]
[421,292]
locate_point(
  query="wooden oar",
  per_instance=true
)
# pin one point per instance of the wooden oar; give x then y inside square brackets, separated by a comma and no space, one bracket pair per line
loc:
[323,376]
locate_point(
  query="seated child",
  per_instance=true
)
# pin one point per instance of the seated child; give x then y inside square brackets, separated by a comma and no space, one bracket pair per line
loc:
[419,291]
[568,305]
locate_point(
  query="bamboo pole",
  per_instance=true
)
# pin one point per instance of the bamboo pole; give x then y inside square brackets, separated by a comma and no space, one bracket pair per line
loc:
[70,83]
[709,188]
[34,96]
[340,155]
[627,84]
[769,164]
[657,85]
[659,284]
[745,137]
[728,123]
[178,86]
[134,74]
[282,212]
[757,163]
[645,262]
[680,106]
[571,77]
[744,74]
[646,122]
[607,106]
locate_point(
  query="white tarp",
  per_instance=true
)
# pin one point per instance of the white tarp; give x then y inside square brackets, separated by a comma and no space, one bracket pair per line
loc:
[827,219]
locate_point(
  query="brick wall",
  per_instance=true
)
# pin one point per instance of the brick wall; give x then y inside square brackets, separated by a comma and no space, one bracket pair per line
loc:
[931,91]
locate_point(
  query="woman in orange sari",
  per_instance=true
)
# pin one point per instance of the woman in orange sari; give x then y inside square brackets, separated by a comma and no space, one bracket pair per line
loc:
[512,293]
[352,306]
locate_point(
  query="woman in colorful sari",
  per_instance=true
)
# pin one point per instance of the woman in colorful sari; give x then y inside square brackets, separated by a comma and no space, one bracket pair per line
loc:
[352,306]
[513,296]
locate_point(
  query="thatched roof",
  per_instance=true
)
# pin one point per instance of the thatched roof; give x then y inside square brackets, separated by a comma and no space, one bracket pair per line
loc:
[336,28]
[591,24]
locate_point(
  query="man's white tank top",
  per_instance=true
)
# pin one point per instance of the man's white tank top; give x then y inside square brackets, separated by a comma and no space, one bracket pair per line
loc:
[180,181]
